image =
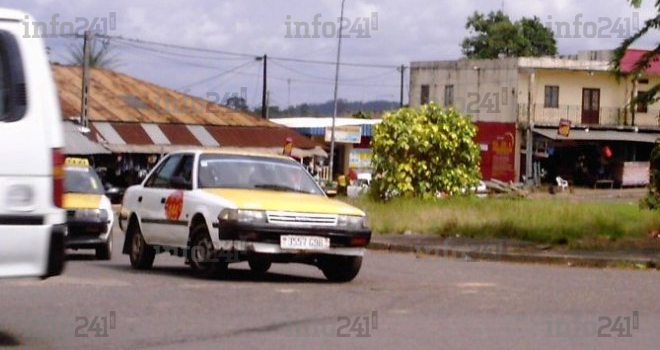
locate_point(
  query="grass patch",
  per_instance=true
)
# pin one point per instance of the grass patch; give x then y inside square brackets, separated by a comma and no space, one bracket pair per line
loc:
[576,224]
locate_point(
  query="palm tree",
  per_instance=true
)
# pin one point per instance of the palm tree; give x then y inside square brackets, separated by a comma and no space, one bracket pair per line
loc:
[101,54]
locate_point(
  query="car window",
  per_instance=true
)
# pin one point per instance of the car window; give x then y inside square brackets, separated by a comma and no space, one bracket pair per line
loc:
[13,95]
[248,172]
[184,172]
[82,180]
[162,177]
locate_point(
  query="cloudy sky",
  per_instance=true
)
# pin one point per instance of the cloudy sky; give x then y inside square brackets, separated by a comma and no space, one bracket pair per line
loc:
[402,31]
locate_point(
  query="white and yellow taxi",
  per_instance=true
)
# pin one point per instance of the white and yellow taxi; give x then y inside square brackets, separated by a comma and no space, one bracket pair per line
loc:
[89,211]
[216,207]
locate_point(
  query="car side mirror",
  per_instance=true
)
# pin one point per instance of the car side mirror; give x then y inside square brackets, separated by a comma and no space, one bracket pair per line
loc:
[331,192]
[109,191]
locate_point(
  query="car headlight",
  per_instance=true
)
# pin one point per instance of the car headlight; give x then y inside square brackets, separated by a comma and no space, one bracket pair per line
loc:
[352,221]
[92,214]
[243,216]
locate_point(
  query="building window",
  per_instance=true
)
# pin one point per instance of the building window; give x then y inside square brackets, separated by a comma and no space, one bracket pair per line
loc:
[642,107]
[551,96]
[449,96]
[425,95]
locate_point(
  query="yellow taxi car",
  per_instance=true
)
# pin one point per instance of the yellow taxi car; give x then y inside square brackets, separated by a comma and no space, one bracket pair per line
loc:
[89,212]
[217,207]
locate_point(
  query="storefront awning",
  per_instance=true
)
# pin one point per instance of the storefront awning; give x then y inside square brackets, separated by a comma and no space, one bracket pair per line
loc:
[600,135]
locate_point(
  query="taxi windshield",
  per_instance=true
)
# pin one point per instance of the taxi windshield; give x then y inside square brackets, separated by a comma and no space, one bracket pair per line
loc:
[82,180]
[261,173]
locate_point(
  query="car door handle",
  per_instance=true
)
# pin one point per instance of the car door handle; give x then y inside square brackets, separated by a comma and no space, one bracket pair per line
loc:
[140,199]
[162,201]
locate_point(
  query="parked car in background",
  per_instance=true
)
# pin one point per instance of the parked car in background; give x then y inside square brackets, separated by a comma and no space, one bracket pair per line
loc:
[89,211]
[32,222]
[216,208]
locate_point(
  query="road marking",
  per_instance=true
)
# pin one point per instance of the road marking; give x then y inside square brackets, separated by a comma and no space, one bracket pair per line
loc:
[475,285]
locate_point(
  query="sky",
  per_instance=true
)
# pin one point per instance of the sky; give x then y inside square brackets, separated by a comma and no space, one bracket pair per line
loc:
[384,33]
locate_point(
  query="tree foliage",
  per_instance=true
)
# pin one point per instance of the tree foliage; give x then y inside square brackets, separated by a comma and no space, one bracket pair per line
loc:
[101,54]
[495,35]
[423,152]
[650,27]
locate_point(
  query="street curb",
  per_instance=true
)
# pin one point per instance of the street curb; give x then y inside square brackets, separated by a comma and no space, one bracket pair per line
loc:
[548,259]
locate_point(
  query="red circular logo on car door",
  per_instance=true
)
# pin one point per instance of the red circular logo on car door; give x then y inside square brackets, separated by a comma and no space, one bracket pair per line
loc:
[174,205]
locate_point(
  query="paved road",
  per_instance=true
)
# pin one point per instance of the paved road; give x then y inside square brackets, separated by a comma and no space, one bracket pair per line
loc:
[420,304]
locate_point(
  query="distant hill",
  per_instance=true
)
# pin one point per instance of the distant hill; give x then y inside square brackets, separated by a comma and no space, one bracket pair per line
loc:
[326,109]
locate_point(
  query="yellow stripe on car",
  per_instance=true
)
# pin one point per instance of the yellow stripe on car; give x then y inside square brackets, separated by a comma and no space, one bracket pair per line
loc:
[82,201]
[284,201]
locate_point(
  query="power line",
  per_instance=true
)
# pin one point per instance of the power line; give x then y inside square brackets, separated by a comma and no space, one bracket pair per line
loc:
[222,52]
[217,75]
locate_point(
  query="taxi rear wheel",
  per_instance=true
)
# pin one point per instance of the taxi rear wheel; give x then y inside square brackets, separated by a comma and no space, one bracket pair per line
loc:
[203,256]
[104,251]
[141,254]
[341,268]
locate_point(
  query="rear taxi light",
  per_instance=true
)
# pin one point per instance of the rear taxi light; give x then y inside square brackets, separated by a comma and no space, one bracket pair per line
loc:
[58,177]
[359,241]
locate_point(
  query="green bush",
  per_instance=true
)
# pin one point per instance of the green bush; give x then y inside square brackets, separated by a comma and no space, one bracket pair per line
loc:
[424,152]
[652,199]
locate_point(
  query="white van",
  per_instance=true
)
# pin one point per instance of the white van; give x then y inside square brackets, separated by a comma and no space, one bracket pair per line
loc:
[32,223]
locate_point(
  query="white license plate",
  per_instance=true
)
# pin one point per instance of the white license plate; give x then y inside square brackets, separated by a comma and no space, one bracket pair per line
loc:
[304,242]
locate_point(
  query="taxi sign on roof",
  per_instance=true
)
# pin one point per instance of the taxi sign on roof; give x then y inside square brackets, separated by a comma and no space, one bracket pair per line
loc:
[77,162]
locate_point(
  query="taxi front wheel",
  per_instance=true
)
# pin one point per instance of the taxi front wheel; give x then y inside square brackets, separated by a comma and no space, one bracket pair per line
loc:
[104,251]
[341,268]
[204,259]
[259,266]
[141,254]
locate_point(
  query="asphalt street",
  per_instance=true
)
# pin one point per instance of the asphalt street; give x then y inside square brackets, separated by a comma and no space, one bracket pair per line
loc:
[397,302]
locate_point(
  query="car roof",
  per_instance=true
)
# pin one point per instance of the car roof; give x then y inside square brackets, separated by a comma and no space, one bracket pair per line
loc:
[13,15]
[235,152]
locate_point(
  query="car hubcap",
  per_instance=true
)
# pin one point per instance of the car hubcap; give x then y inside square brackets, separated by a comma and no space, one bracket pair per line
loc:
[137,245]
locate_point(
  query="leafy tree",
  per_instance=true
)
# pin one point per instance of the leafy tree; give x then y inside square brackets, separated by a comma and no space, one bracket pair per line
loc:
[423,152]
[650,27]
[495,35]
[237,103]
[101,54]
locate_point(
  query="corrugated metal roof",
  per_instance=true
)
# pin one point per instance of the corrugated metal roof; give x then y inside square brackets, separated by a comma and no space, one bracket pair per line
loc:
[116,97]
[77,144]
[600,135]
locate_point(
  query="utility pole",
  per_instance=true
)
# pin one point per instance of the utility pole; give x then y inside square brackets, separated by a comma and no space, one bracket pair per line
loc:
[267,104]
[264,102]
[402,69]
[334,114]
[84,104]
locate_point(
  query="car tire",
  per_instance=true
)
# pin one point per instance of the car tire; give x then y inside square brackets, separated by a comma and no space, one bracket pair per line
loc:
[341,268]
[141,254]
[104,251]
[259,266]
[203,256]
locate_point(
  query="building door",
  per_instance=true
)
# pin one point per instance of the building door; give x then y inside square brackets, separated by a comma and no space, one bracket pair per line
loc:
[590,106]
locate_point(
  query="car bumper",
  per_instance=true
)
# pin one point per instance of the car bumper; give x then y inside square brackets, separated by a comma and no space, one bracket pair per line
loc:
[32,250]
[87,233]
[265,239]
